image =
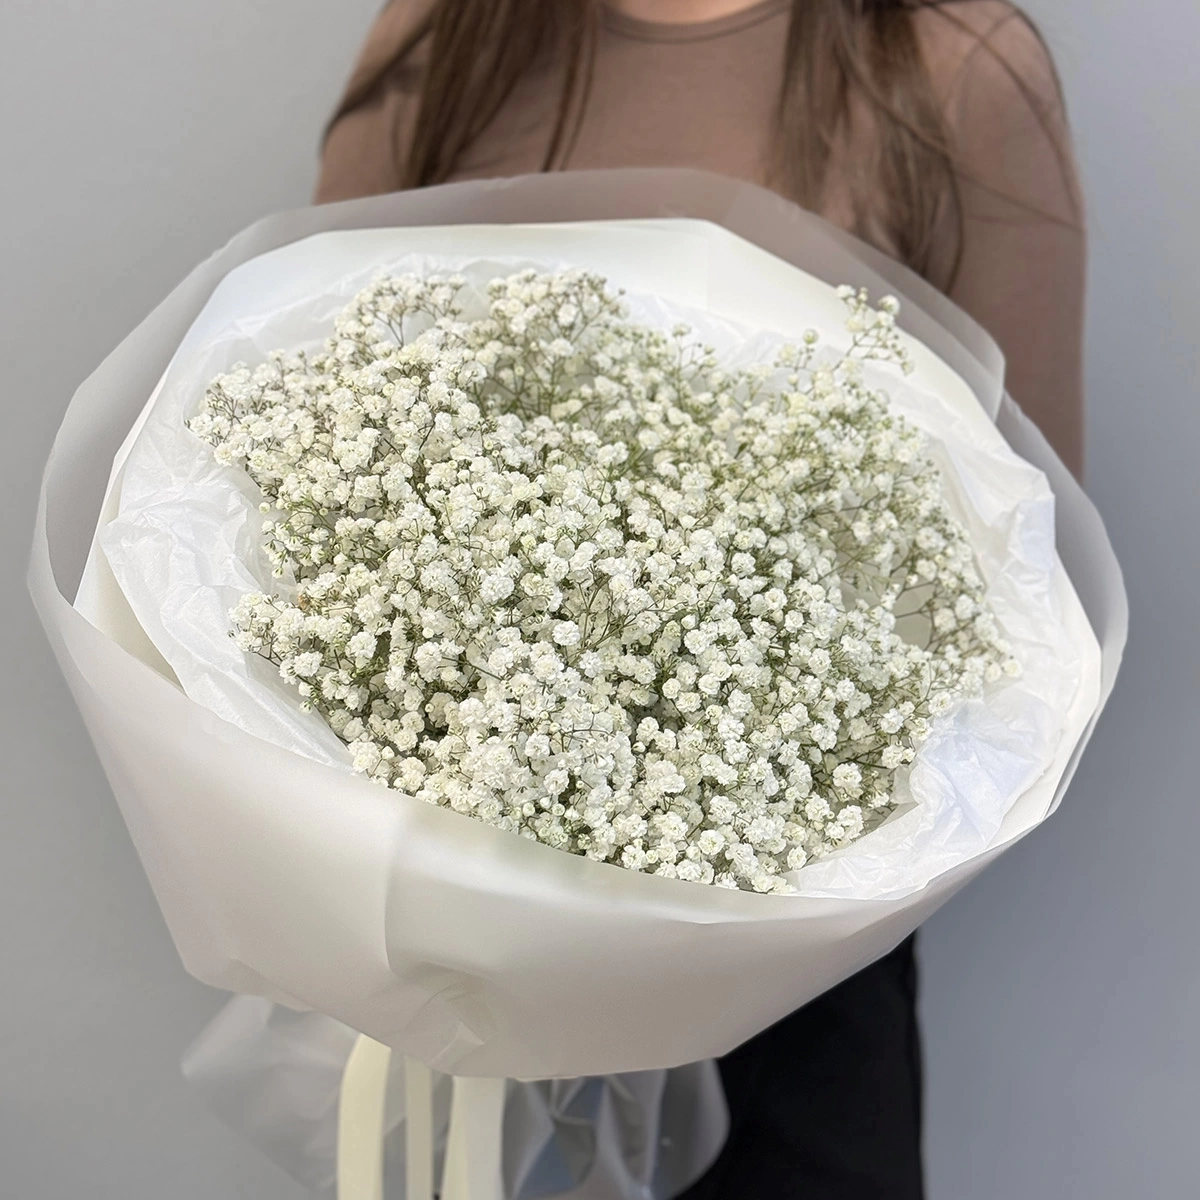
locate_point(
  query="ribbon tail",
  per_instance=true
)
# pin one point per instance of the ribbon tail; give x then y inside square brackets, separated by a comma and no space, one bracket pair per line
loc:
[418,1130]
[361,1121]
[474,1152]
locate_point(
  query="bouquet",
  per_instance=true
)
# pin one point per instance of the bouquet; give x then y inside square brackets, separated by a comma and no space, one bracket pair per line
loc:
[628,539]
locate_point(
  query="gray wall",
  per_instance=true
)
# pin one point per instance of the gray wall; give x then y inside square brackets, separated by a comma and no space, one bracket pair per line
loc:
[137,135]
[1060,991]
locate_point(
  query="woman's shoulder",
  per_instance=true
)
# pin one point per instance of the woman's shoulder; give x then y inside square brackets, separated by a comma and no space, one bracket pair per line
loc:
[357,155]
[1000,91]
[396,35]
[991,42]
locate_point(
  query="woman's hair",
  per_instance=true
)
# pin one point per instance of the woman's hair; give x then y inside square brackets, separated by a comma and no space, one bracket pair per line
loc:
[849,65]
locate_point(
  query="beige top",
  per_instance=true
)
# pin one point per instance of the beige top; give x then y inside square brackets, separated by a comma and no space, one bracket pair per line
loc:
[703,95]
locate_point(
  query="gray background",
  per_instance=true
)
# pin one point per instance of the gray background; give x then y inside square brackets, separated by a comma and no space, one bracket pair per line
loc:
[1060,991]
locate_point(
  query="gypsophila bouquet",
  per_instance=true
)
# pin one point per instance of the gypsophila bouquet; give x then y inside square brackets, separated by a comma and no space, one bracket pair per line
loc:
[560,571]
[543,559]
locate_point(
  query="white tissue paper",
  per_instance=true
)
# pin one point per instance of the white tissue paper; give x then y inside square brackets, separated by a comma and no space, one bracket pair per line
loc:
[185,544]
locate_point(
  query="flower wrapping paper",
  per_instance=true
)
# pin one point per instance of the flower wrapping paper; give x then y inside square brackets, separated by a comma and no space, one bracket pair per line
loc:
[474,951]
[274,1075]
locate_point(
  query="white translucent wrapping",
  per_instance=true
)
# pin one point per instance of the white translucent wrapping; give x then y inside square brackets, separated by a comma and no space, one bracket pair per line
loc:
[470,949]
[274,1075]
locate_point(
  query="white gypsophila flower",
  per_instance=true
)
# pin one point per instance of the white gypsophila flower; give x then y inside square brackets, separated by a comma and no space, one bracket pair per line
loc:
[562,572]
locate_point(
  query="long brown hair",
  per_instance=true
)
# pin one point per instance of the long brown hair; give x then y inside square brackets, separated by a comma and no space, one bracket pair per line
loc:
[848,65]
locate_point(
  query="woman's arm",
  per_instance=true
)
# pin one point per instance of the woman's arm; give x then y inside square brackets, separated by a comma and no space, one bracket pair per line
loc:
[359,155]
[1022,270]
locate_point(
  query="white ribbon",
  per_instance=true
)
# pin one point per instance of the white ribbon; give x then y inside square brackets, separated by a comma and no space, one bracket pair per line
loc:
[418,1130]
[361,1121]
[474,1149]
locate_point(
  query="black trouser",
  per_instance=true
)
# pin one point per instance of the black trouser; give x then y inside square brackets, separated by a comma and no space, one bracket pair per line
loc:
[826,1105]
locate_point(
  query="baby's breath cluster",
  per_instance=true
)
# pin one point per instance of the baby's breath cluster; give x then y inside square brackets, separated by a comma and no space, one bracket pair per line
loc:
[561,572]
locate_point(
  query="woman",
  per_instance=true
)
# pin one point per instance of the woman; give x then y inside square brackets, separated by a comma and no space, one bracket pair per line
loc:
[933,130]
